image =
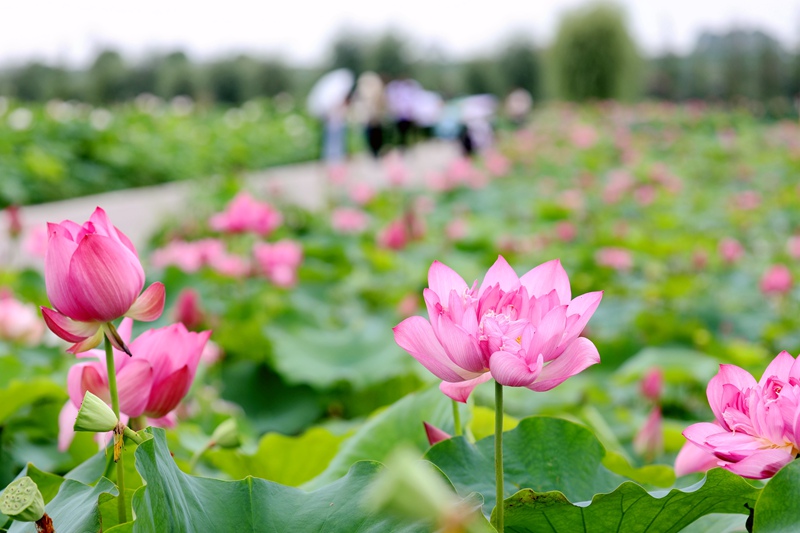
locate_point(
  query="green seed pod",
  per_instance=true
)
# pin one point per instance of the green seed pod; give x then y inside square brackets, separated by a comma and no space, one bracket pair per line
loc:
[226,435]
[22,501]
[94,415]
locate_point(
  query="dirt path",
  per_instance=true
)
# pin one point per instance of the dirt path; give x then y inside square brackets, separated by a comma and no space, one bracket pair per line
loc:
[140,212]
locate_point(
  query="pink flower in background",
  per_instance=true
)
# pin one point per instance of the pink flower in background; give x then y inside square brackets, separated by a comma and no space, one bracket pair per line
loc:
[523,332]
[19,322]
[619,259]
[35,243]
[395,168]
[279,261]
[649,441]
[350,221]
[566,231]
[230,265]
[93,276]
[731,250]
[572,199]
[793,246]
[245,214]
[362,193]
[460,172]
[456,229]
[652,384]
[337,173]
[408,305]
[151,382]
[496,163]
[187,309]
[394,236]
[776,280]
[757,426]
[14,221]
[644,195]
[583,136]
[619,182]
[747,200]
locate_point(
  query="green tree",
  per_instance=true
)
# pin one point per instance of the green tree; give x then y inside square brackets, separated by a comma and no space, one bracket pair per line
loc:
[519,67]
[108,78]
[593,56]
[389,56]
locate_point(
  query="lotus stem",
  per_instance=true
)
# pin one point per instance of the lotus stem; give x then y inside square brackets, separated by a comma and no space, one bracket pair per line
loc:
[112,389]
[456,419]
[498,454]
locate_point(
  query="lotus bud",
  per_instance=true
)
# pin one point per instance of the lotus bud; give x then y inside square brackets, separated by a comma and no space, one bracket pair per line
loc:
[22,501]
[95,415]
[226,435]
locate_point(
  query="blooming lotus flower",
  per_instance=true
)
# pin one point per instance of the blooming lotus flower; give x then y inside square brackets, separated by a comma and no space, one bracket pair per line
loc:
[523,332]
[279,261]
[151,382]
[757,426]
[93,276]
[245,214]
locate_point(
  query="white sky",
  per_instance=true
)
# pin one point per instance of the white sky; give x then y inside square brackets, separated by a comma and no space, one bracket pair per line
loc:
[298,30]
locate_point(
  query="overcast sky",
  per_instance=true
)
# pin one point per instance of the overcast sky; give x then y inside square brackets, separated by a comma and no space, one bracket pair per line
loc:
[72,32]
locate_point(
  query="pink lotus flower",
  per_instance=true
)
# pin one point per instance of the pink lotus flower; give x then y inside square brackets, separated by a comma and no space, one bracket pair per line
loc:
[279,261]
[14,221]
[793,246]
[394,236]
[731,250]
[776,280]
[150,383]
[757,426]
[349,221]
[245,214]
[566,231]
[619,259]
[456,229]
[19,322]
[435,434]
[652,384]
[649,441]
[583,136]
[362,193]
[188,310]
[496,163]
[523,332]
[93,276]
[35,243]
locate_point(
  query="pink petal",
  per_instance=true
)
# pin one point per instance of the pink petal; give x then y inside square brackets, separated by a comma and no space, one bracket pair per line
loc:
[512,370]
[415,335]
[105,278]
[546,277]
[548,334]
[60,248]
[578,356]
[779,367]
[501,274]
[87,377]
[693,458]
[763,463]
[66,425]
[88,343]
[104,226]
[435,434]
[699,434]
[66,328]
[460,391]
[168,393]
[442,279]
[728,374]
[460,346]
[149,305]
[134,383]
[584,307]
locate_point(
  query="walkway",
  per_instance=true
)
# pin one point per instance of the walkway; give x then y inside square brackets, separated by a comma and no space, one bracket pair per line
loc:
[140,212]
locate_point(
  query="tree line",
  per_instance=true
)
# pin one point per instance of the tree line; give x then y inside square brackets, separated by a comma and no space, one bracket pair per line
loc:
[592,56]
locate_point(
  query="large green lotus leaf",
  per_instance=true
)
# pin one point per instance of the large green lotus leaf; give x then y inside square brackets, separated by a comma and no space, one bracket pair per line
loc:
[400,423]
[18,394]
[75,509]
[281,458]
[630,507]
[361,354]
[541,453]
[176,502]
[777,509]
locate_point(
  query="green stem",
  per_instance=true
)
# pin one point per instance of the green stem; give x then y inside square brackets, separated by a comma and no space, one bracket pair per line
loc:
[131,434]
[137,423]
[498,454]
[112,390]
[197,455]
[456,419]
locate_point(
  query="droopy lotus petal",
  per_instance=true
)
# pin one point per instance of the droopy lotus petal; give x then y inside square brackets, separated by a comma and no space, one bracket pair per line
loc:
[762,464]
[66,328]
[149,305]
[578,356]
[461,347]
[415,335]
[88,343]
[460,391]
[66,423]
[693,458]
[134,387]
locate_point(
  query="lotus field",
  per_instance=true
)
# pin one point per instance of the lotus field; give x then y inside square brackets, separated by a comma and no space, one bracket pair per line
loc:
[592,327]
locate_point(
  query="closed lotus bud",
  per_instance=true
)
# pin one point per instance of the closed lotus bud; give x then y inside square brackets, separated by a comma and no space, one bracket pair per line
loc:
[95,415]
[22,501]
[226,435]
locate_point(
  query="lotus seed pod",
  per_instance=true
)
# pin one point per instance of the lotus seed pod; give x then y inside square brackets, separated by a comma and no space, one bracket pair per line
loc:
[226,435]
[95,415]
[22,501]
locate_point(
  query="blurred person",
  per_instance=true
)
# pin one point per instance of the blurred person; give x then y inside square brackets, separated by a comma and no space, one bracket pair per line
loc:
[400,97]
[518,106]
[334,137]
[369,106]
